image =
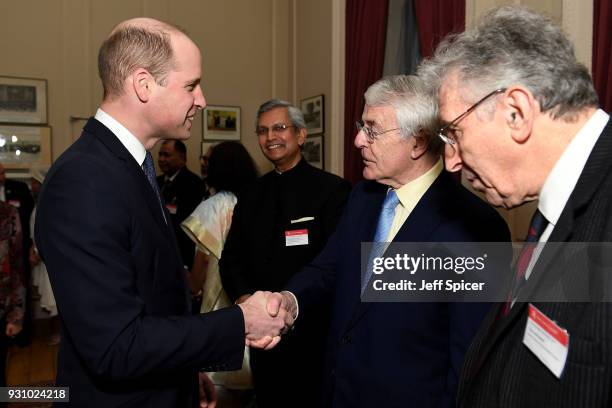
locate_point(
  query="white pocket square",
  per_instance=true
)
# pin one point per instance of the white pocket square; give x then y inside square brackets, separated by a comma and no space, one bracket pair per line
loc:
[303,219]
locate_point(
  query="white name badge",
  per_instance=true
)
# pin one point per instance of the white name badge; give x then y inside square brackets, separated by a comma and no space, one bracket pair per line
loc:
[296,237]
[15,203]
[548,341]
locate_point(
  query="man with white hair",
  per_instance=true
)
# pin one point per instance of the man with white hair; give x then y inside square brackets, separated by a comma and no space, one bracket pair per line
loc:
[522,121]
[387,354]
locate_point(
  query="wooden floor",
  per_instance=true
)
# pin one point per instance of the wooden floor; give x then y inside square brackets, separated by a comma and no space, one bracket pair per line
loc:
[34,365]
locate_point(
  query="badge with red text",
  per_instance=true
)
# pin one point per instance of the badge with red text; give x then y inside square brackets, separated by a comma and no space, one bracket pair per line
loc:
[547,340]
[171,208]
[296,237]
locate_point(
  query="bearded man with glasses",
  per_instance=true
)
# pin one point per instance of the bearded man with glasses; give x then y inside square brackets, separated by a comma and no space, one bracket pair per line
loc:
[280,223]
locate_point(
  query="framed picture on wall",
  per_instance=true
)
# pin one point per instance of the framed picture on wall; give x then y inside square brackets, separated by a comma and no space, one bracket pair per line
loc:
[314,114]
[23,100]
[221,123]
[23,146]
[313,151]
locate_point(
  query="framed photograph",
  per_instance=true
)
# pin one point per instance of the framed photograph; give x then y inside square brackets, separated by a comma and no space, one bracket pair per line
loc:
[221,123]
[23,100]
[314,114]
[313,151]
[23,146]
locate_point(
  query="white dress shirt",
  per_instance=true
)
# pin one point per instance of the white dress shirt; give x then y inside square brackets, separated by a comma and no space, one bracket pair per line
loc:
[127,139]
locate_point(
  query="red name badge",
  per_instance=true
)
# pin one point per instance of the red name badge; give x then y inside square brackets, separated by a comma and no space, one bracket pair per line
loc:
[296,237]
[547,340]
[171,208]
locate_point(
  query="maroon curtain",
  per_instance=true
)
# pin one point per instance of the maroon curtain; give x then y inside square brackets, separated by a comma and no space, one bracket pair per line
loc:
[437,18]
[366,26]
[602,55]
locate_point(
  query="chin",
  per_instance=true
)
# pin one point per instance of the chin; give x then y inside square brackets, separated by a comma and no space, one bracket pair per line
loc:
[367,174]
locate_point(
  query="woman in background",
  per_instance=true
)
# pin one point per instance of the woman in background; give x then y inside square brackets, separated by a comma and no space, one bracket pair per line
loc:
[46,307]
[230,168]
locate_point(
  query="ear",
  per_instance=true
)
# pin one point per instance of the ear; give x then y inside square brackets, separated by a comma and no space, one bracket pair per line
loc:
[142,83]
[419,143]
[302,133]
[520,109]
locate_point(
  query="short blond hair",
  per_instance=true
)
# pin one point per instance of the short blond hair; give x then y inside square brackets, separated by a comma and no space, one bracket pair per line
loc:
[135,46]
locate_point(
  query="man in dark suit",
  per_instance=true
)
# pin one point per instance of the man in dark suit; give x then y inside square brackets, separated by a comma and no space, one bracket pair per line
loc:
[281,222]
[182,191]
[127,339]
[522,122]
[396,354]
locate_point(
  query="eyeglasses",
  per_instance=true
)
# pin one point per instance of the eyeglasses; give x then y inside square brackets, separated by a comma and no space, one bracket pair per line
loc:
[276,129]
[446,133]
[372,135]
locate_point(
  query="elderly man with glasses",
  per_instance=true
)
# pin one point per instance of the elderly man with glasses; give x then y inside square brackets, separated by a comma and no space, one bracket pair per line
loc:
[535,132]
[395,354]
[281,223]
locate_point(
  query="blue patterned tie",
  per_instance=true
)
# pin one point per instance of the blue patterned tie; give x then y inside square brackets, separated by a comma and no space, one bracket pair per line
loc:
[385,219]
[149,170]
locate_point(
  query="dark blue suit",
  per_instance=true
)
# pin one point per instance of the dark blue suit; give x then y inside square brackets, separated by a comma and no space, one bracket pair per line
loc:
[118,280]
[396,354]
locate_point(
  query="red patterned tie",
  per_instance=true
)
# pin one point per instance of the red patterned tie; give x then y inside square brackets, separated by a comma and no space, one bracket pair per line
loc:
[536,228]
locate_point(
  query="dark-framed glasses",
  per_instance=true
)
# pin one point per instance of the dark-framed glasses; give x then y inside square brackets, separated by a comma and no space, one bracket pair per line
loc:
[371,135]
[446,133]
[276,129]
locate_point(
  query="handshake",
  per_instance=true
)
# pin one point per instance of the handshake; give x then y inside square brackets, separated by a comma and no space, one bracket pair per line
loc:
[267,316]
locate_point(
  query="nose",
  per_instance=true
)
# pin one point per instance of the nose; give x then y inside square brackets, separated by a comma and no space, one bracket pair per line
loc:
[452,158]
[200,100]
[361,139]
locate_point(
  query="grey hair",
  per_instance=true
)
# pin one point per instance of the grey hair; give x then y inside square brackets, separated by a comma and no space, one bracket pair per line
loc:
[513,45]
[295,115]
[415,106]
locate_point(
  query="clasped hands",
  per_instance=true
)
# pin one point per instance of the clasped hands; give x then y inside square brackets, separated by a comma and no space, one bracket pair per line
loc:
[267,316]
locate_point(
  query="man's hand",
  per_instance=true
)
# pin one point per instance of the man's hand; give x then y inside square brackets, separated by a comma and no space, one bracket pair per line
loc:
[34,257]
[13,329]
[264,325]
[286,301]
[208,394]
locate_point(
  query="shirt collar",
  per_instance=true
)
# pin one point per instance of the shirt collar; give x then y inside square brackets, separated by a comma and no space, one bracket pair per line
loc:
[127,139]
[414,190]
[562,179]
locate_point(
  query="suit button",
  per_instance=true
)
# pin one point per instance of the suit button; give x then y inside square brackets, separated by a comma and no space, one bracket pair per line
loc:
[346,339]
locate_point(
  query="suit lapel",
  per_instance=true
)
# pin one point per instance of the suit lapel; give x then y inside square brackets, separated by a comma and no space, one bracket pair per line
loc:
[418,227]
[139,179]
[597,167]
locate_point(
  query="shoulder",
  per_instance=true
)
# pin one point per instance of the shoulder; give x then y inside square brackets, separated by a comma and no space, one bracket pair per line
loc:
[219,202]
[465,210]
[16,185]
[188,175]
[326,180]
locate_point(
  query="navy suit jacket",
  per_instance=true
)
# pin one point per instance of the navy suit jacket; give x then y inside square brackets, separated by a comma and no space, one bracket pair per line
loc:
[127,339]
[396,354]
